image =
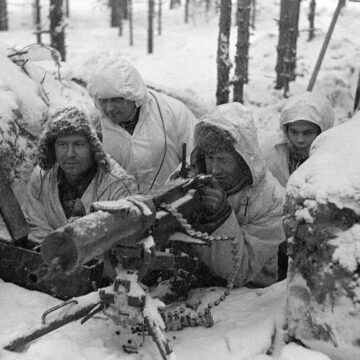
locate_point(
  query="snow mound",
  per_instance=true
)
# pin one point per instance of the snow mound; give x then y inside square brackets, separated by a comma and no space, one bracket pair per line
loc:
[334,152]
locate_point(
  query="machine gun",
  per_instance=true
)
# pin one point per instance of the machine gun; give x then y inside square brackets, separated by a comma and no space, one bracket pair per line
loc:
[136,228]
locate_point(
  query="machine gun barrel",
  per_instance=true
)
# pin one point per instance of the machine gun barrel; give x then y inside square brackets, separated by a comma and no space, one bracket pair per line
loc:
[126,220]
[123,222]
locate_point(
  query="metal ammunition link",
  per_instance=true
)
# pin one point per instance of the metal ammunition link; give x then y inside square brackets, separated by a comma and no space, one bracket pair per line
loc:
[208,239]
[189,317]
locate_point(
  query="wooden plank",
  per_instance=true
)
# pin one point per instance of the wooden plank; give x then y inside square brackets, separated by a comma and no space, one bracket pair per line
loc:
[11,212]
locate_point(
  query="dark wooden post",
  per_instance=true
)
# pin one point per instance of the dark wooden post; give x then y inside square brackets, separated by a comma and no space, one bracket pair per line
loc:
[223,59]
[57,32]
[242,49]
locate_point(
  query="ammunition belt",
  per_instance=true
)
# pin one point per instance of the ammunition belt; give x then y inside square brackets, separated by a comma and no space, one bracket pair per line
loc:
[183,316]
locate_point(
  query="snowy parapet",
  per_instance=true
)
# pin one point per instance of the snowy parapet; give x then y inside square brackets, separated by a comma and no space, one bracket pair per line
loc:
[322,221]
[330,175]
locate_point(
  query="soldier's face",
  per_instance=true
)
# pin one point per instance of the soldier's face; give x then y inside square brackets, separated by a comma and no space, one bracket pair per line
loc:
[302,133]
[118,110]
[225,167]
[73,154]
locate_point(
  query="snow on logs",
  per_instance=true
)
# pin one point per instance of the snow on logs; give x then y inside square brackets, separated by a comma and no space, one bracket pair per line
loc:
[322,224]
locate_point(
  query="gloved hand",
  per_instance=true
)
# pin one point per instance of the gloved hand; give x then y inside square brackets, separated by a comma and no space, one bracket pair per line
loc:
[213,199]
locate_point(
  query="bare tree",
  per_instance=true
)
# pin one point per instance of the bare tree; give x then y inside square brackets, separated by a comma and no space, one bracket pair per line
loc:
[288,34]
[57,27]
[115,12]
[3,16]
[38,21]
[124,8]
[242,49]
[253,14]
[357,95]
[311,17]
[159,16]
[67,8]
[173,3]
[186,17]
[207,10]
[223,59]
[150,27]
[120,20]
[130,17]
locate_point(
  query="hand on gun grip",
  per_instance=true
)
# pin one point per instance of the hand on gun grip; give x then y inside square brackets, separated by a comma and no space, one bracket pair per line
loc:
[213,199]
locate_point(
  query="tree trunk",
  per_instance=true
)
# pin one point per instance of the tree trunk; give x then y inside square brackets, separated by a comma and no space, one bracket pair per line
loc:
[159,17]
[120,20]
[124,8]
[242,49]
[207,10]
[357,95]
[186,19]
[67,8]
[288,34]
[150,27]
[130,16]
[253,14]
[3,16]
[311,17]
[57,27]
[115,12]
[38,21]
[223,59]
[281,48]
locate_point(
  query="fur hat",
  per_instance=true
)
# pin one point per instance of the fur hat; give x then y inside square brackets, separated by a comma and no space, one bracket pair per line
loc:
[211,139]
[68,121]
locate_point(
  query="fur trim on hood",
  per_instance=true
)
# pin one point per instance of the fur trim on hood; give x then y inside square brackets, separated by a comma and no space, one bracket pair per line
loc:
[117,78]
[230,127]
[309,106]
[211,139]
[64,122]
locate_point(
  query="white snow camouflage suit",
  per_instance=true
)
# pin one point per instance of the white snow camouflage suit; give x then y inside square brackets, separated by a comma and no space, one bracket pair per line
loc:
[155,147]
[255,219]
[308,106]
[43,208]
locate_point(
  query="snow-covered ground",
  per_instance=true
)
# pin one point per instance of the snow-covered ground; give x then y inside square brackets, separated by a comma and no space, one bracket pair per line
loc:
[184,58]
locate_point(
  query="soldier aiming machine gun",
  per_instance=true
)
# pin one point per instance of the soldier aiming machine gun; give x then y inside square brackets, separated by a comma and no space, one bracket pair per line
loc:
[135,229]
